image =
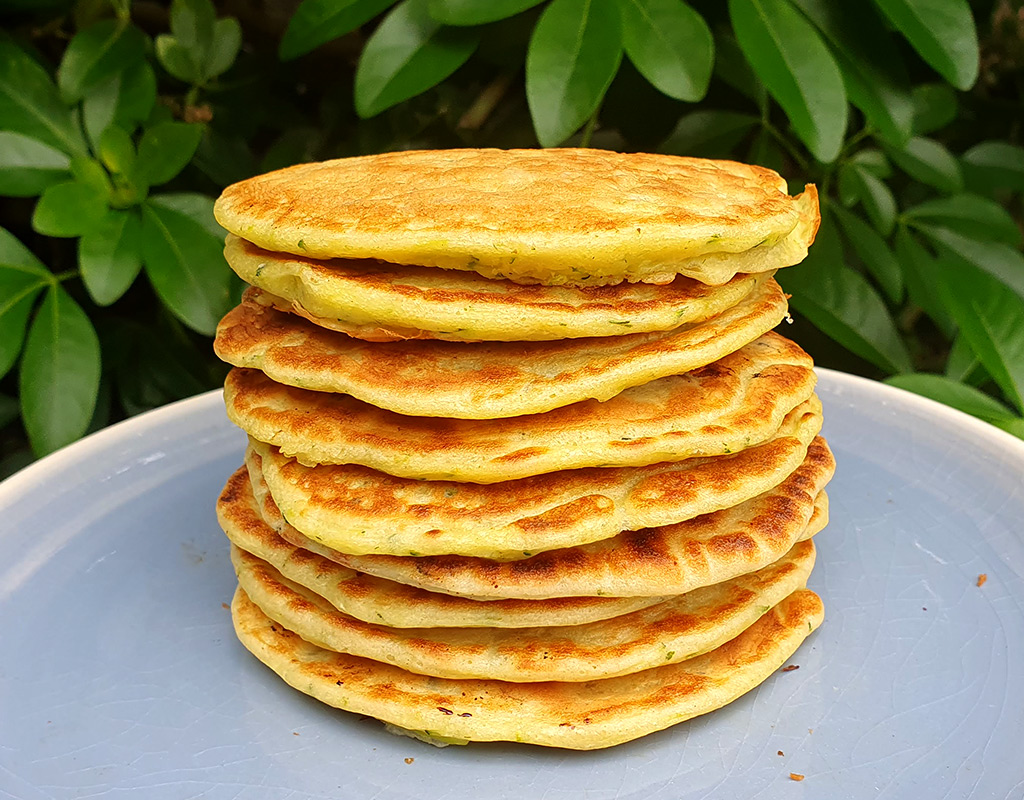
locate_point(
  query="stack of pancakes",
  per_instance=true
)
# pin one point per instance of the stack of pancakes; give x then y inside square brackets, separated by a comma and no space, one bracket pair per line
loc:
[553,483]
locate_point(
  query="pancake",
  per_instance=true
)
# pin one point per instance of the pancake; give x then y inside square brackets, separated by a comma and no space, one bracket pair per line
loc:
[382,302]
[737,402]
[361,511]
[580,716]
[667,633]
[570,216]
[482,380]
[393,604]
[669,560]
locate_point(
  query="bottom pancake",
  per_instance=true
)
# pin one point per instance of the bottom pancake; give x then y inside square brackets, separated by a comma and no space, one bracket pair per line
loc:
[579,716]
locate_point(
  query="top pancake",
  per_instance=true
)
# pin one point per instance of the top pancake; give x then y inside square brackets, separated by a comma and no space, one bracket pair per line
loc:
[557,216]
[382,302]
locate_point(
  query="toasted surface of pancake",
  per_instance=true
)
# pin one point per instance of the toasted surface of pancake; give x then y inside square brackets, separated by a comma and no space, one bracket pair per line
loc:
[736,402]
[669,632]
[580,716]
[579,216]
[393,604]
[361,511]
[482,380]
[669,560]
[382,302]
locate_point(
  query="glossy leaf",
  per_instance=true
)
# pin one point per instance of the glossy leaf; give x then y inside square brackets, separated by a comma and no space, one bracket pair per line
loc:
[935,106]
[961,397]
[874,161]
[408,54]
[319,21]
[27,166]
[929,162]
[117,150]
[18,291]
[670,44]
[1001,261]
[30,104]
[124,100]
[861,184]
[794,64]
[874,75]
[843,305]
[165,150]
[60,373]
[227,41]
[177,60]
[963,366]
[185,261]
[192,23]
[474,12]
[943,34]
[873,252]
[969,215]
[991,318]
[96,54]
[708,134]
[921,275]
[573,56]
[69,209]
[998,165]
[110,256]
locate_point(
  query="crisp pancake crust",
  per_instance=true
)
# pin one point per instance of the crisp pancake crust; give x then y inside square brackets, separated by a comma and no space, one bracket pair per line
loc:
[483,380]
[587,217]
[382,302]
[581,716]
[396,605]
[361,511]
[669,560]
[667,633]
[736,402]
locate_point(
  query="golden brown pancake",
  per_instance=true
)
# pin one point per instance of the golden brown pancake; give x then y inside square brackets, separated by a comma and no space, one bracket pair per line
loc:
[572,216]
[667,633]
[737,402]
[362,511]
[482,380]
[382,302]
[669,560]
[393,604]
[581,716]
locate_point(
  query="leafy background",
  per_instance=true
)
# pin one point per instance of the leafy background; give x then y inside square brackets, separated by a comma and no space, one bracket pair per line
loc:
[120,121]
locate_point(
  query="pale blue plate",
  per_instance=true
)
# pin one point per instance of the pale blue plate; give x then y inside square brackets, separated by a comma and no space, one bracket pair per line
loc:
[120,675]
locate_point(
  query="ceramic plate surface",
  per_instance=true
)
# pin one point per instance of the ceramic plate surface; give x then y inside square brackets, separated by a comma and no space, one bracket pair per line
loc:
[120,675]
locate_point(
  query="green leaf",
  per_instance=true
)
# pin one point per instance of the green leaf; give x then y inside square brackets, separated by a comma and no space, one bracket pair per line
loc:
[177,60]
[96,54]
[874,75]
[408,54]
[731,66]
[961,397]
[789,57]
[998,165]
[573,56]
[165,150]
[929,162]
[69,209]
[874,161]
[921,274]
[670,44]
[125,100]
[27,166]
[970,215]
[227,41]
[474,12]
[842,304]
[9,410]
[110,256]
[319,21]
[117,150]
[89,172]
[856,181]
[873,252]
[963,366]
[60,373]
[943,34]
[708,134]
[185,261]
[766,152]
[991,318]
[935,107]
[999,260]
[30,104]
[18,291]
[192,23]
[14,254]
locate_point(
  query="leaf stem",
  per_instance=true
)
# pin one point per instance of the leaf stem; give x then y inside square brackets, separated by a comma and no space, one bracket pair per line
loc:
[782,140]
[67,275]
[588,129]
